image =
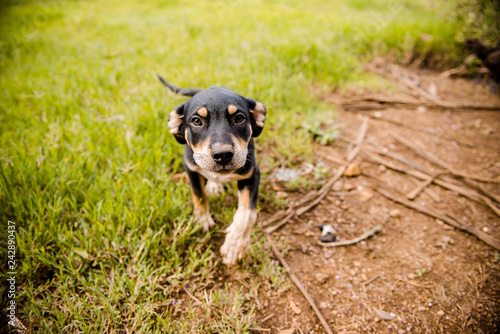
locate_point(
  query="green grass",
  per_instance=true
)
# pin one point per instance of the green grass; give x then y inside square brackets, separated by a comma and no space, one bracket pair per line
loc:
[105,239]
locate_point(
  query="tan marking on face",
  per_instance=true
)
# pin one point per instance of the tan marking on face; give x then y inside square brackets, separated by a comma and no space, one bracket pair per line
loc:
[203,112]
[240,142]
[244,199]
[187,139]
[201,147]
[222,147]
[231,109]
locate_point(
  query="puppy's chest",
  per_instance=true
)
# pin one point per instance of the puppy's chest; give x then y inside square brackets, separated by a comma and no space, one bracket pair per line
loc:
[220,178]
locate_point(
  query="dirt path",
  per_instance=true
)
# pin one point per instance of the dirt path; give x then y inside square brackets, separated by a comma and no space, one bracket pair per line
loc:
[427,276]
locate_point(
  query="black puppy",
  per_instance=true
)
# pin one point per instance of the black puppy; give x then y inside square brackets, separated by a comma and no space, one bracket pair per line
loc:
[217,127]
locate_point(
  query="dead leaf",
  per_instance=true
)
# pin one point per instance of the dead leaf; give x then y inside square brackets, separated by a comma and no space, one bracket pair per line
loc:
[295,308]
[287,331]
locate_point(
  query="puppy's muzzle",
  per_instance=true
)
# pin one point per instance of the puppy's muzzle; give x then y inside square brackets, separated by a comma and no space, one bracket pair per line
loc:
[223,157]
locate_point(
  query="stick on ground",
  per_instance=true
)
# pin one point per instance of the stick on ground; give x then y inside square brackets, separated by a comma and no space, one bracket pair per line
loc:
[359,140]
[366,235]
[438,162]
[486,238]
[298,284]
[466,192]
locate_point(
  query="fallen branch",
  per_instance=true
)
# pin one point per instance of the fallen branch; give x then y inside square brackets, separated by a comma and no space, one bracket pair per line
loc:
[438,162]
[414,193]
[305,199]
[285,220]
[324,192]
[274,218]
[300,210]
[424,130]
[486,238]
[466,192]
[359,140]
[413,89]
[298,283]
[366,235]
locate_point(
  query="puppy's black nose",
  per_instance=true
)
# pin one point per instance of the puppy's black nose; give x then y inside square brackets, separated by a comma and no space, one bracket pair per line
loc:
[222,157]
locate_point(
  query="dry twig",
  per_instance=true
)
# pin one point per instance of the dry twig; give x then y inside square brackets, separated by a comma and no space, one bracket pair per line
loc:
[298,284]
[414,193]
[486,238]
[466,192]
[413,89]
[362,237]
[438,162]
[359,140]
[299,210]
[419,129]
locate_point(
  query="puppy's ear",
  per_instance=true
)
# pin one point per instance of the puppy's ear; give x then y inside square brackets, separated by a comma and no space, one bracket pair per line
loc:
[176,123]
[257,116]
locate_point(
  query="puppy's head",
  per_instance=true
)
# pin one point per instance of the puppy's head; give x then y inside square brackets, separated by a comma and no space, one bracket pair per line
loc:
[218,124]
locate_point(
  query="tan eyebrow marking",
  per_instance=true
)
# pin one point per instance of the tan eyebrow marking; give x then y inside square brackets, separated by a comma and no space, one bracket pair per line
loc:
[203,112]
[231,109]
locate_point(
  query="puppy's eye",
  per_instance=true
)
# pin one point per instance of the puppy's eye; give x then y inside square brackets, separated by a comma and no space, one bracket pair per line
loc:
[239,118]
[196,121]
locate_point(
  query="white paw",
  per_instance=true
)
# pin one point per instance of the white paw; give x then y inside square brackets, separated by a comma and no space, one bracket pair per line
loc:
[234,247]
[214,188]
[206,221]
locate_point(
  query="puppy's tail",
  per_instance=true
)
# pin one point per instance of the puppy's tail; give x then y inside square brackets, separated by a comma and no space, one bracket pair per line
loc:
[179,90]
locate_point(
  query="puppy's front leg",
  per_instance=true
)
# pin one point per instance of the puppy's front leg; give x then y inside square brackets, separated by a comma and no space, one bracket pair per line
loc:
[201,209]
[238,233]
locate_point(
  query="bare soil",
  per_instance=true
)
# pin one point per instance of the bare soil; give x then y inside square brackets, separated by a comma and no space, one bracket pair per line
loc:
[419,275]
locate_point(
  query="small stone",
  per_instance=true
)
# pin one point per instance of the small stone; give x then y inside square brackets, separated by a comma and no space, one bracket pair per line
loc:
[327,233]
[401,331]
[485,229]
[348,186]
[323,305]
[440,313]
[352,170]
[365,195]
[321,277]
[412,276]
[304,249]
[382,168]
[337,186]
[395,213]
